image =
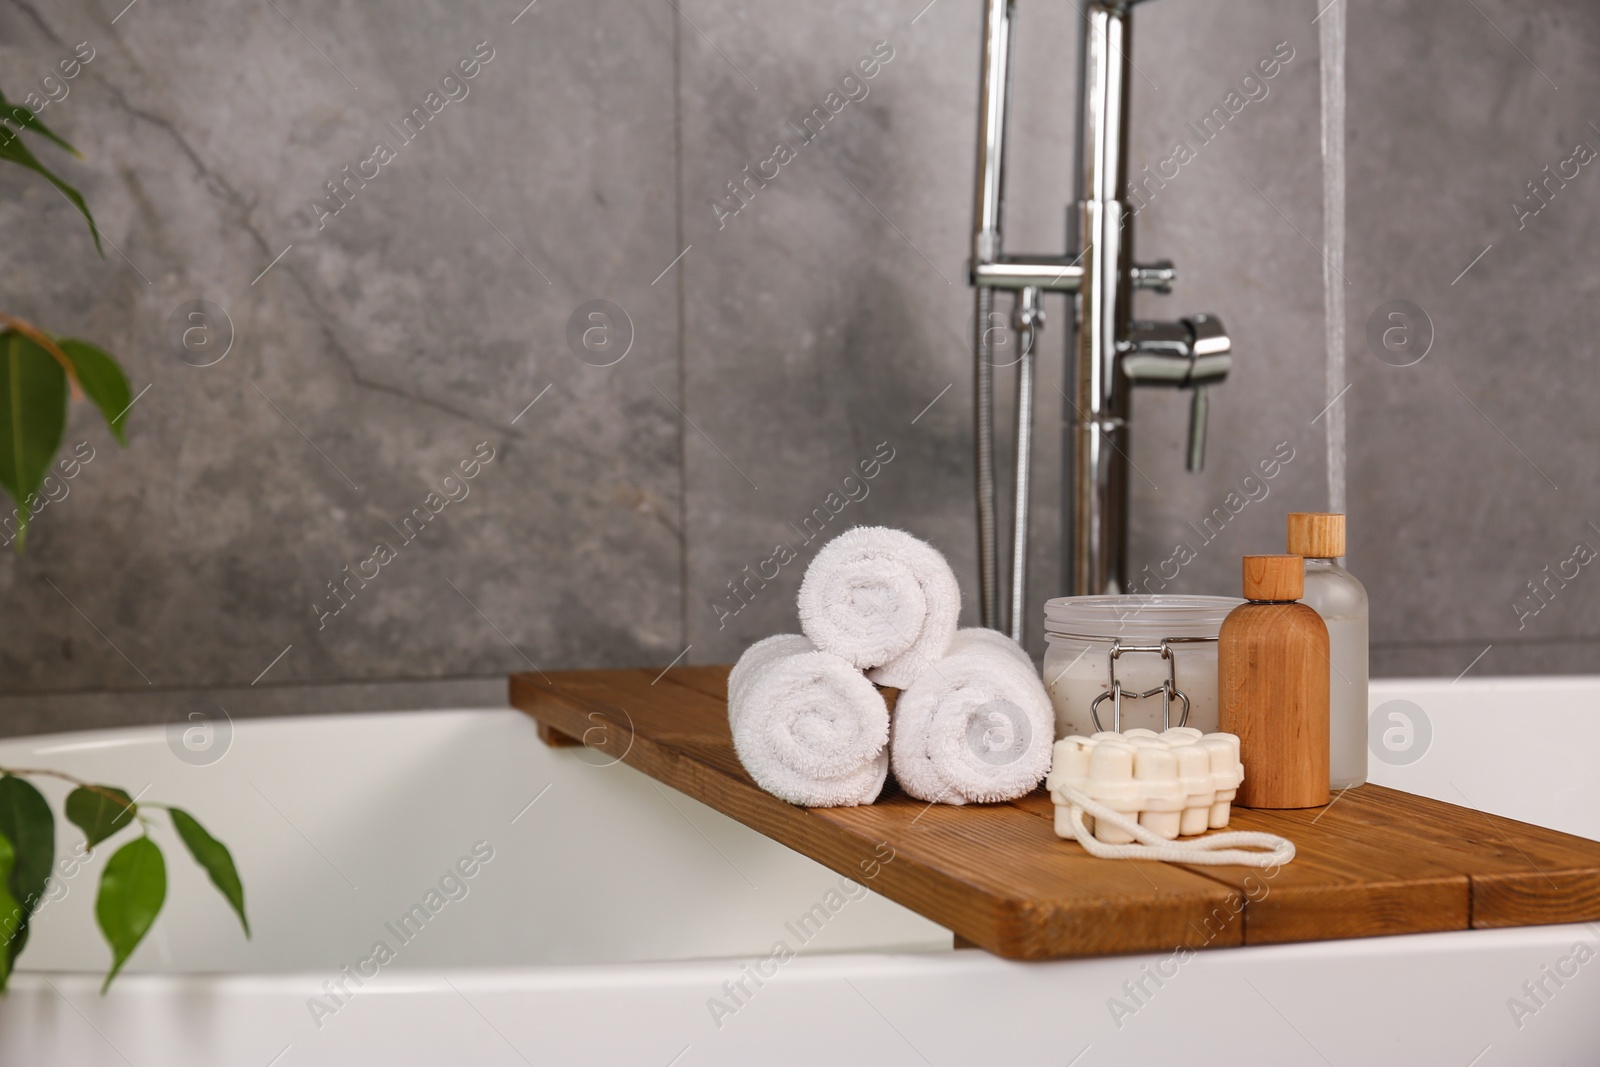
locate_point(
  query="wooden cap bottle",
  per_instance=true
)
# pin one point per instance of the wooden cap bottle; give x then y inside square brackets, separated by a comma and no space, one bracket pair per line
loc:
[1274,579]
[1272,681]
[1316,534]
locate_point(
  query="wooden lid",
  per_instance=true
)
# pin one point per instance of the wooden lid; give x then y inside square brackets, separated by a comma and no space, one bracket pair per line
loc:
[1274,577]
[1317,534]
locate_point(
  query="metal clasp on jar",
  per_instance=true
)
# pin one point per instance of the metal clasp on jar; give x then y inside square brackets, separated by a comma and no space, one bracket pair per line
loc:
[1168,689]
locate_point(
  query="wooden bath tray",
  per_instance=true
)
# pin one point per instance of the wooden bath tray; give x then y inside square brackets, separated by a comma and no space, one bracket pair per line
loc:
[1375,861]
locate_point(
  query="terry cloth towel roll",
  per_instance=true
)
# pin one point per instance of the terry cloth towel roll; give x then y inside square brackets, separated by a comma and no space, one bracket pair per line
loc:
[883,600]
[977,727]
[808,726]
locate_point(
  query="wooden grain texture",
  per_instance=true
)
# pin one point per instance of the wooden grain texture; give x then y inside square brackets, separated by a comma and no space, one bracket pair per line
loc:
[1316,534]
[1522,875]
[1343,885]
[999,878]
[1339,885]
[555,738]
[1374,862]
[1272,688]
[1274,577]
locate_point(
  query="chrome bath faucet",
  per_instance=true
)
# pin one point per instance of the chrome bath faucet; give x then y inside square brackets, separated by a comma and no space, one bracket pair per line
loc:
[1110,352]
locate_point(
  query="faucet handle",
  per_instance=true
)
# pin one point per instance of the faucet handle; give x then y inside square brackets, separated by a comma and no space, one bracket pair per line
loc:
[1187,354]
[1210,350]
[1199,412]
[1212,354]
[1157,276]
[1191,353]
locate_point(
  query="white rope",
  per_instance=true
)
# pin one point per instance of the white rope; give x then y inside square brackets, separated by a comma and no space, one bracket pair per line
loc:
[1226,848]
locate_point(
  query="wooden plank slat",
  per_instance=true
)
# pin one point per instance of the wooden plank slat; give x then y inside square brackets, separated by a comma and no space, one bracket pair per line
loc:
[1521,874]
[1373,862]
[1337,886]
[1041,898]
[1002,881]
[1342,885]
[712,681]
[555,738]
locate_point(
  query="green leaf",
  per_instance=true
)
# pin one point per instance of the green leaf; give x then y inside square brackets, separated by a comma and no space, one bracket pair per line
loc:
[33,416]
[132,889]
[24,117]
[98,815]
[15,151]
[214,856]
[102,380]
[30,830]
[12,915]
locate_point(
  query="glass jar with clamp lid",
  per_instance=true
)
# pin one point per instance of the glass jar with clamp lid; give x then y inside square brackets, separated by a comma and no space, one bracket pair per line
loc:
[1117,662]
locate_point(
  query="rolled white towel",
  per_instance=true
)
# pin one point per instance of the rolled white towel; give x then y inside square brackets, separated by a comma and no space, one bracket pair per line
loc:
[883,600]
[977,727]
[808,726]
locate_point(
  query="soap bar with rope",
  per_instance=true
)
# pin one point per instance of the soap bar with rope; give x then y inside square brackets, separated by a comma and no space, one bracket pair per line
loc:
[1180,781]
[1111,790]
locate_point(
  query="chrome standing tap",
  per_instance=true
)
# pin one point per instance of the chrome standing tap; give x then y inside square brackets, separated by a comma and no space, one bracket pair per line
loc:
[1110,353]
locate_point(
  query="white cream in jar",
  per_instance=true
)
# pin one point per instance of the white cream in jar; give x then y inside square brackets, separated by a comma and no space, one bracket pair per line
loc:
[1081,634]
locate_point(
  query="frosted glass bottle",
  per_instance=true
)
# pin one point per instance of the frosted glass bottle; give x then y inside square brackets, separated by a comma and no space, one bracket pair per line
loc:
[1341,600]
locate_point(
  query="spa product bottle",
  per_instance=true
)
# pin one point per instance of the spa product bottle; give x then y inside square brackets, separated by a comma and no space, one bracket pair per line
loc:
[1272,684]
[1342,602]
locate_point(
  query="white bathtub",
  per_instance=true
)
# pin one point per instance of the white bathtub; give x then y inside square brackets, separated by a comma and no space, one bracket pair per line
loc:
[613,911]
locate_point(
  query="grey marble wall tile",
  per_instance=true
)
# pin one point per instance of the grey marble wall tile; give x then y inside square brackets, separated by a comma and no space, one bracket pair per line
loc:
[182,710]
[1472,471]
[823,325]
[1481,659]
[1242,219]
[383,345]
[824,315]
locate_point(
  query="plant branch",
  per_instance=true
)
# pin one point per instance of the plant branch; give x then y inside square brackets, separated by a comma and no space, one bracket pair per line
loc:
[75,780]
[44,341]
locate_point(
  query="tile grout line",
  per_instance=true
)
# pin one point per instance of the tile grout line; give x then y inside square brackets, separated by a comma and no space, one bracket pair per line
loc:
[680,289]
